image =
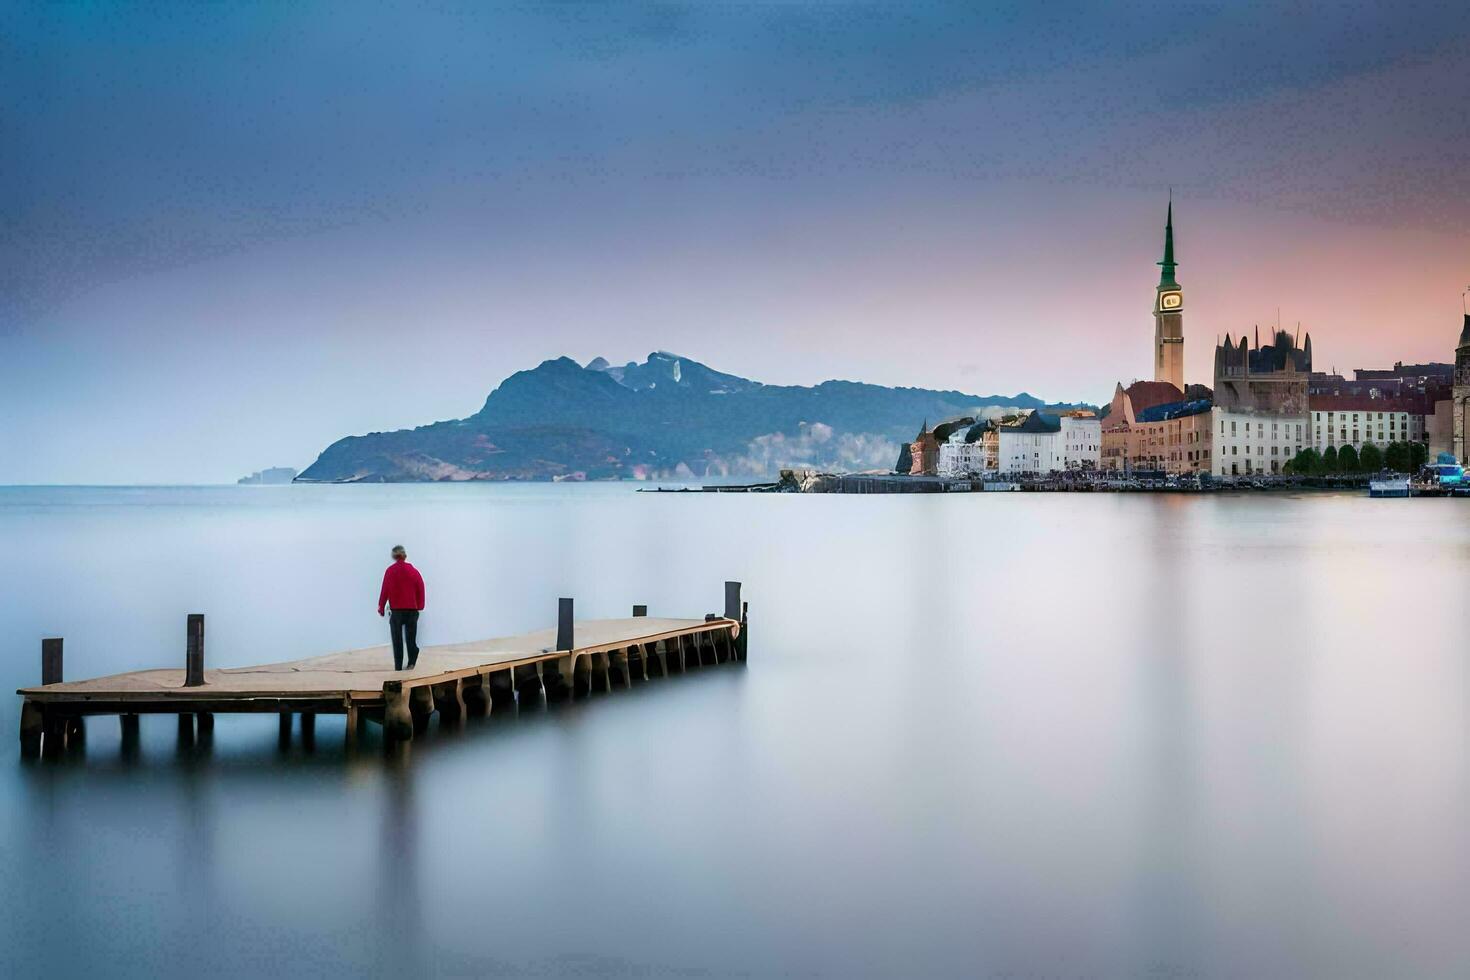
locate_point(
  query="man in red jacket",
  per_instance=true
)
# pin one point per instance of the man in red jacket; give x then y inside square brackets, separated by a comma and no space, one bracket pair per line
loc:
[403,590]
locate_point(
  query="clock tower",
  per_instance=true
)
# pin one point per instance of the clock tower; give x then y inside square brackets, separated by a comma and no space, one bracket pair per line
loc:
[1169,316]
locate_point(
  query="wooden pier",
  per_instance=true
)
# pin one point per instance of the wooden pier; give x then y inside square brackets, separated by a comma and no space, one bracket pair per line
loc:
[455,680]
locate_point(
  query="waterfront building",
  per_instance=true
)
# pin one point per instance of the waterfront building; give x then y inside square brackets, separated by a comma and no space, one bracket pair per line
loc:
[1175,437]
[924,453]
[1081,439]
[1260,413]
[1460,397]
[968,453]
[1042,443]
[1122,415]
[1034,446]
[1169,315]
[1356,420]
[1448,424]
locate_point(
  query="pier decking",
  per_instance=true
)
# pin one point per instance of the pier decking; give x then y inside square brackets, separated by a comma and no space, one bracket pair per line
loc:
[453,679]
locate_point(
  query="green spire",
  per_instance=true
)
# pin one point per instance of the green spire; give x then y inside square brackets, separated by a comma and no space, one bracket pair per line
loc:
[1166,278]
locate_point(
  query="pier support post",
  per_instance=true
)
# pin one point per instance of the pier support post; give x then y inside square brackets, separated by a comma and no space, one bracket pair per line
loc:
[421,706]
[742,643]
[350,733]
[620,662]
[529,680]
[32,727]
[448,702]
[474,691]
[283,735]
[654,652]
[194,657]
[308,730]
[397,718]
[502,687]
[205,722]
[599,669]
[559,677]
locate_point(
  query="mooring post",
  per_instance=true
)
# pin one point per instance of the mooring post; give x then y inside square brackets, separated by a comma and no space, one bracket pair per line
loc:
[639,611]
[51,660]
[732,601]
[52,726]
[194,658]
[563,624]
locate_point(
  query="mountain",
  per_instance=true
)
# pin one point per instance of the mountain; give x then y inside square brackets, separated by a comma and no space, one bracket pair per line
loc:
[667,417]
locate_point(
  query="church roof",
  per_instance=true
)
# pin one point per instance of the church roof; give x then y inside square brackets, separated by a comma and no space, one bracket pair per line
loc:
[1166,276]
[1174,410]
[1147,394]
[1040,422]
[1465,332]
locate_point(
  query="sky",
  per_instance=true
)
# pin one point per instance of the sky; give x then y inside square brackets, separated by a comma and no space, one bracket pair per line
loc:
[231,234]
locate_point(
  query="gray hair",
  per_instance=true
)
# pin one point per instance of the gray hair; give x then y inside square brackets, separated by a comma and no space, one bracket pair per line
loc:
[398,549]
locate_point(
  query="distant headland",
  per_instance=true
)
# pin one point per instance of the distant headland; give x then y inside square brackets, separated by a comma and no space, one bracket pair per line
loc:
[669,417]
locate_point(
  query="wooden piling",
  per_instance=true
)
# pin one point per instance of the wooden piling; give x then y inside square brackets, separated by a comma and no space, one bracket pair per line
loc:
[194,655]
[732,601]
[502,685]
[397,717]
[564,640]
[421,707]
[51,660]
[32,728]
[475,693]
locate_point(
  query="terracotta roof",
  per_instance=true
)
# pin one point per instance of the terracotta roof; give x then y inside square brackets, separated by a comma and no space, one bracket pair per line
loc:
[1147,394]
[1413,404]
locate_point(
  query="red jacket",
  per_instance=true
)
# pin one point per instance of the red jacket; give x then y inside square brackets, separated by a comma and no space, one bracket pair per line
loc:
[403,587]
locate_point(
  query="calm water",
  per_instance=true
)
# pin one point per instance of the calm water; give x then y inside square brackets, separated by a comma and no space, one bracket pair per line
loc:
[1008,735]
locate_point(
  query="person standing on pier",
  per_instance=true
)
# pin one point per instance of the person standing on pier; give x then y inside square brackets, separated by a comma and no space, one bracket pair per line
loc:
[403,592]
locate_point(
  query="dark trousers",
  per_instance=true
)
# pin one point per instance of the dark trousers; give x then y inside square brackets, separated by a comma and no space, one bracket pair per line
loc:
[404,625]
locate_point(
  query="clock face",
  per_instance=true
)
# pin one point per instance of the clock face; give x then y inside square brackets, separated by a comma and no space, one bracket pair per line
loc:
[1171,301]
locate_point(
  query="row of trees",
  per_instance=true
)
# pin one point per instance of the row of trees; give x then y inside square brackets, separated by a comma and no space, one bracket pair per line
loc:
[1400,457]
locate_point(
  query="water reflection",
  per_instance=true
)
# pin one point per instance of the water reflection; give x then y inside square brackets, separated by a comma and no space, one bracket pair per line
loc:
[1041,735]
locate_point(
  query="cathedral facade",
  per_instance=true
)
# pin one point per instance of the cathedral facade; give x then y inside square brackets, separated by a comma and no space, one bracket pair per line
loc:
[1261,416]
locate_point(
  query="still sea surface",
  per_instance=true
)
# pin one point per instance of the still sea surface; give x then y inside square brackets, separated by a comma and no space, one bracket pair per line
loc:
[1000,735]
